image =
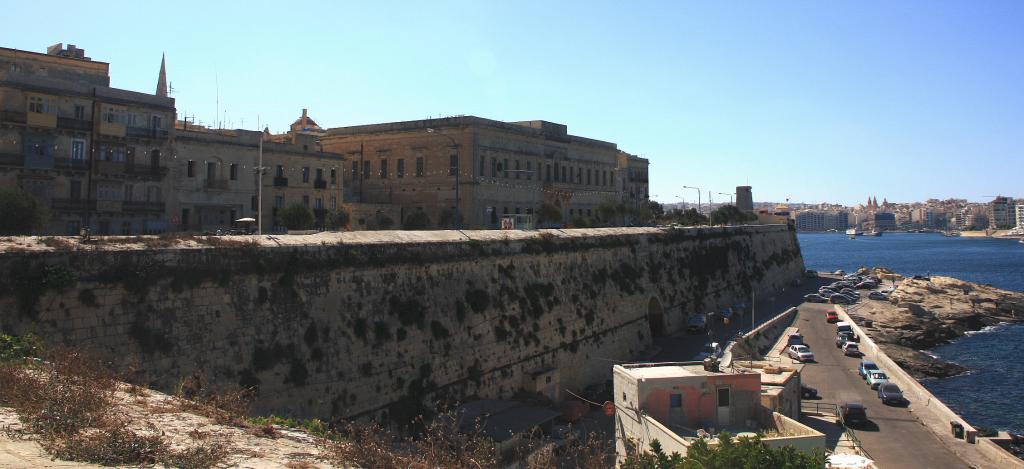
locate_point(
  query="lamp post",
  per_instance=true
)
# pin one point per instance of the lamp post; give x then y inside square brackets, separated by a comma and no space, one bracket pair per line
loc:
[458,160]
[698,195]
[728,194]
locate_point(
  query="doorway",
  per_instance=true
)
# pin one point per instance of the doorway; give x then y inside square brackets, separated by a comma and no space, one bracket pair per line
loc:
[655,317]
[724,402]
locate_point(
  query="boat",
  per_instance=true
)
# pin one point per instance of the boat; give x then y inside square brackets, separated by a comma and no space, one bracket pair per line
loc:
[876,232]
[853,233]
[951,233]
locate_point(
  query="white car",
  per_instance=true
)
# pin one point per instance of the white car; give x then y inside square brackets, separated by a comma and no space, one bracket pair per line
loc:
[800,353]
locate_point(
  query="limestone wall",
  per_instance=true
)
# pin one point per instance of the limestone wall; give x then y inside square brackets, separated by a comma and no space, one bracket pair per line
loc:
[365,328]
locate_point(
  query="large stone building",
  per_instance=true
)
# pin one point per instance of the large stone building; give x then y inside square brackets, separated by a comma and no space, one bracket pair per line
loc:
[93,155]
[488,168]
[215,178]
[821,220]
[1001,213]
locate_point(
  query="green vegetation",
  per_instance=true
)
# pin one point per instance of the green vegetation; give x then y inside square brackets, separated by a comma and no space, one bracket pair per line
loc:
[549,214]
[15,348]
[338,219]
[315,427]
[729,453]
[688,217]
[730,215]
[20,213]
[416,220]
[296,217]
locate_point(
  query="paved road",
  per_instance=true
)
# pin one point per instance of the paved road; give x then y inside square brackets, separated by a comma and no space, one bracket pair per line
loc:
[894,437]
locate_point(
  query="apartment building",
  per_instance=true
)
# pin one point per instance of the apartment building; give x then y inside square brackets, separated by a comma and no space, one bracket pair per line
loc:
[93,155]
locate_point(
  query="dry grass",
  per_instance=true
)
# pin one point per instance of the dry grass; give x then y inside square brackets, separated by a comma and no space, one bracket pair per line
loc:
[226,407]
[58,243]
[229,242]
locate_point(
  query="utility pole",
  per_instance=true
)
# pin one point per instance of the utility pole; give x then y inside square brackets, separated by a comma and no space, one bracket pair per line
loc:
[698,195]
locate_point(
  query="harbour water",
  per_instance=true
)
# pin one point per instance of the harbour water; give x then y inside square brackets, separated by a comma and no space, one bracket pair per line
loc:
[991,394]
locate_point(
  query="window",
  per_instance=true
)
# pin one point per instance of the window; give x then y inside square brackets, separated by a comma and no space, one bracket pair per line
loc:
[355,170]
[504,167]
[494,167]
[305,174]
[547,172]
[400,168]
[76,190]
[483,166]
[604,178]
[563,173]
[334,176]
[80,112]
[128,190]
[588,176]
[318,203]
[579,175]
[366,170]
[279,171]
[675,401]
[278,201]
[334,202]
[305,201]
[211,171]
[383,169]
[233,172]
[191,168]
[419,166]
[38,105]
[723,397]
[156,123]
[517,169]
[78,150]
[453,164]
[529,170]
[253,204]
[319,174]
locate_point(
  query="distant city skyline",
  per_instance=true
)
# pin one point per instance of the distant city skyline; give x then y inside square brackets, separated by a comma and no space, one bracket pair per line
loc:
[810,102]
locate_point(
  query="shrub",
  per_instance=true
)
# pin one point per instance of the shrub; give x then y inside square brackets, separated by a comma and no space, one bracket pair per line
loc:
[549,214]
[296,217]
[338,219]
[416,220]
[20,213]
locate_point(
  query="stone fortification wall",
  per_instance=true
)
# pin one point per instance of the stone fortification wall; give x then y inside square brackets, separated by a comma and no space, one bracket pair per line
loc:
[357,326]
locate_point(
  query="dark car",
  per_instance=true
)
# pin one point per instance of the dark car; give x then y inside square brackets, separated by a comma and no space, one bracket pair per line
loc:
[890,393]
[839,299]
[697,324]
[808,392]
[842,338]
[866,366]
[815,298]
[853,413]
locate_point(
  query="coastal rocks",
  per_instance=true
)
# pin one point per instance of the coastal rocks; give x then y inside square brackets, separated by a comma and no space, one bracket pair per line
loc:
[924,313]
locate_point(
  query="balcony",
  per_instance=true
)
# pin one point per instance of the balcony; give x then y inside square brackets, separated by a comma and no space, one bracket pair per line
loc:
[146,171]
[71,205]
[143,207]
[143,132]
[12,159]
[280,181]
[217,184]
[39,119]
[114,206]
[320,184]
[109,167]
[70,164]
[112,128]
[17,117]
[74,124]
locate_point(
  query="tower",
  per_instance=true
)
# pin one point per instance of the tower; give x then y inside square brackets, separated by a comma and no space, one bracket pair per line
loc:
[744,199]
[161,83]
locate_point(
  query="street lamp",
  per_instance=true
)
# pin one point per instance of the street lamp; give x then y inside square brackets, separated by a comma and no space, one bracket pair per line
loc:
[458,159]
[698,195]
[728,194]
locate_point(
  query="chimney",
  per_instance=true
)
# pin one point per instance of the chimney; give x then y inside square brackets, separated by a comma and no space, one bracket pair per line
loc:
[304,115]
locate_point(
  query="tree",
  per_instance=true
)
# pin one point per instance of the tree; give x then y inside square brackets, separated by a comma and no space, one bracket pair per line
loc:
[729,453]
[608,212]
[446,218]
[382,221]
[729,214]
[581,222]
[416,220]
[296,217]
[688,217]
[338,219]
[548,213]
[20,213]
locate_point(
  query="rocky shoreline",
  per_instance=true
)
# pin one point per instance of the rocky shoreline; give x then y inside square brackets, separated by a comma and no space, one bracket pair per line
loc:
[927,312]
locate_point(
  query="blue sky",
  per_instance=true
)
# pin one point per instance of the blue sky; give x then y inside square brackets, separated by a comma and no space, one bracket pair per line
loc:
[811,101]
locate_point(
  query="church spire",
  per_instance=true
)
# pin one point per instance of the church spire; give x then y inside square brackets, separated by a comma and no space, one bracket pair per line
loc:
[161,83]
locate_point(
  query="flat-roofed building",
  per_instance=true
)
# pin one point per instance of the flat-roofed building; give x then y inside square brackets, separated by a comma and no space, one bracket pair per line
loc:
[499,168]
[93,155]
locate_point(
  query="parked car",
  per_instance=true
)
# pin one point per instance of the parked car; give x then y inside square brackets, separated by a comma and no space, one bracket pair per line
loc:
[810,273]
[865,367]
[711,349]
[840,299]
[877,295]
[826,291]
[808,392]
[842,338]
[795,338]
[815,298]
[853,413]
[876,378]
[800,353]
[843,327]
[831,317]
[698,324]
[849,291]
[866,285]
[890,393]
[851,349]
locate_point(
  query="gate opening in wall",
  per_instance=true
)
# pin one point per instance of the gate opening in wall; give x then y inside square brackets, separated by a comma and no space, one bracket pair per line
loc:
[517,222]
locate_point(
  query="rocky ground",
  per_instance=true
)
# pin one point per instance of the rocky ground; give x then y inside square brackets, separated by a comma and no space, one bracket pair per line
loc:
[924,313]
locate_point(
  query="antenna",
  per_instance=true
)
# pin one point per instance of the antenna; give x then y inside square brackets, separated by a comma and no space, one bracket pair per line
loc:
[216,84]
